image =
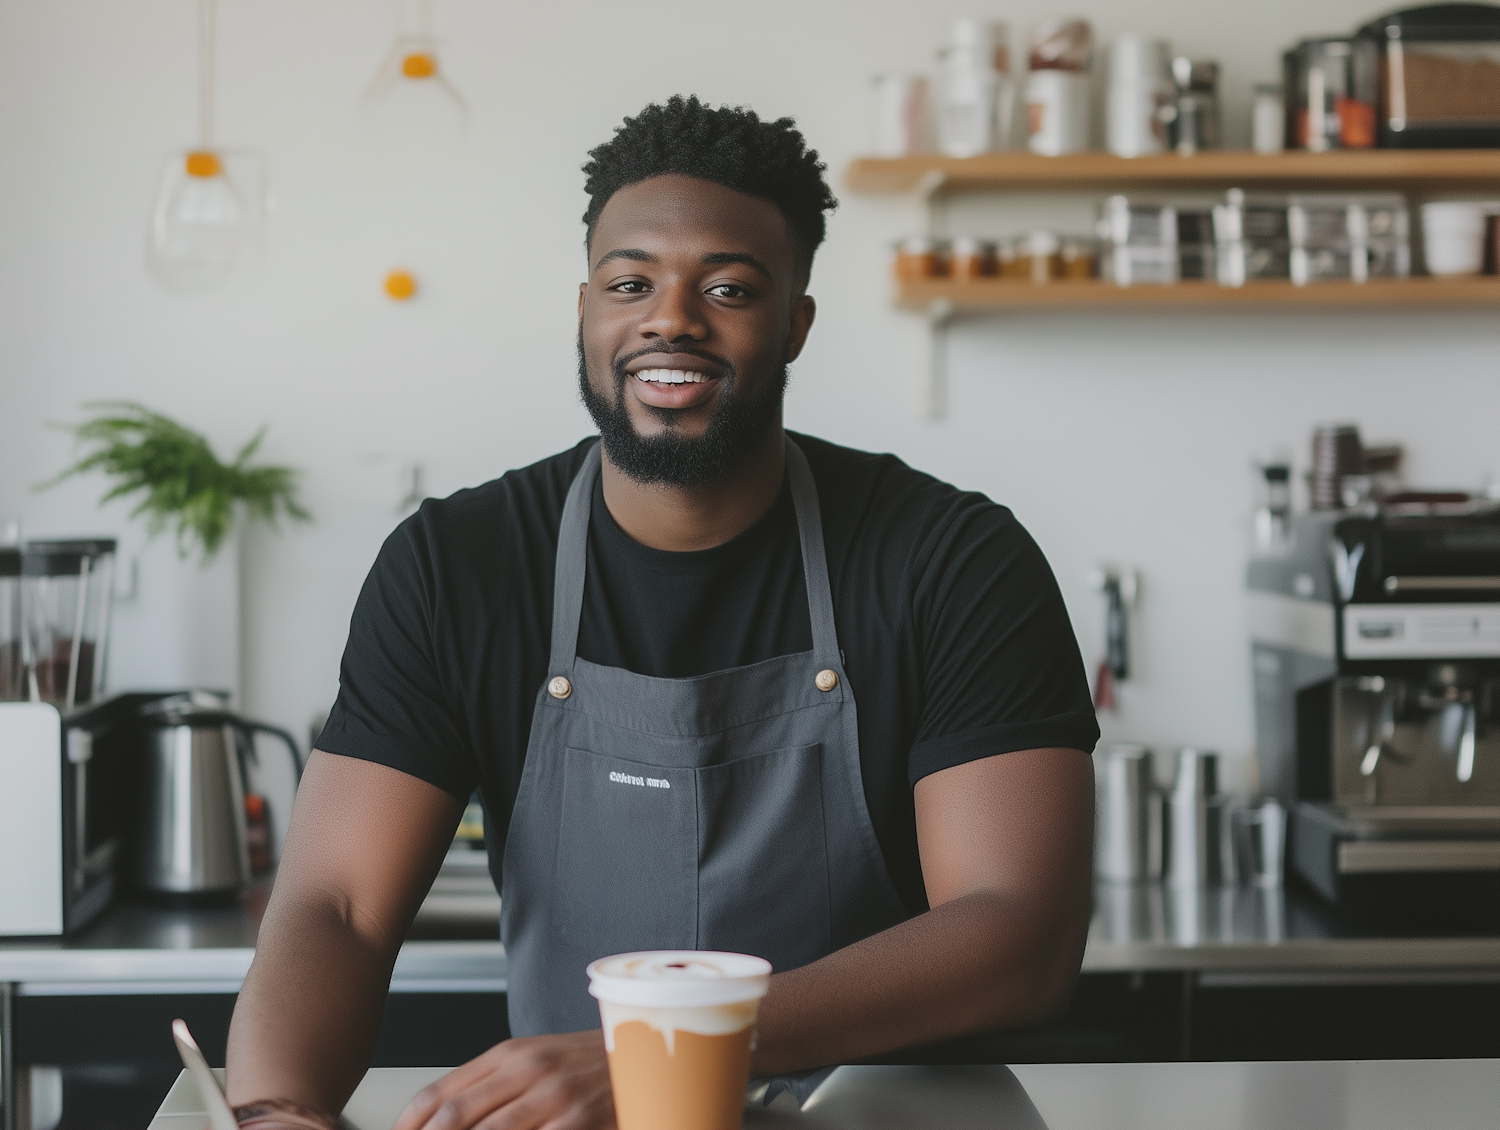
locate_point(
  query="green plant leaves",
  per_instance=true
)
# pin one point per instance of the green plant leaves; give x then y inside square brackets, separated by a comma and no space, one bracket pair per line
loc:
[184,482]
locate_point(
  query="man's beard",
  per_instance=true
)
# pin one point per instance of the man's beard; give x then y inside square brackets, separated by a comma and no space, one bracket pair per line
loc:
[671,458]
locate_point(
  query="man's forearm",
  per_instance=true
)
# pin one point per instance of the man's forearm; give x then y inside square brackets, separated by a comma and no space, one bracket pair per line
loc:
[309,1014]
[972,964]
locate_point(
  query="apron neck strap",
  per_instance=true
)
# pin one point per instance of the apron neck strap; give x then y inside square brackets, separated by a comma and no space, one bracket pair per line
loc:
[572,561]
[814,560]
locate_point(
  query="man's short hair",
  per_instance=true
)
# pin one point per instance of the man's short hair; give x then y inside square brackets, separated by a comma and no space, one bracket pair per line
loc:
[730,146]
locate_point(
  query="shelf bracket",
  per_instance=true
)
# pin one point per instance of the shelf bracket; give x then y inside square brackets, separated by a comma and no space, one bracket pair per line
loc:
[932,392]
[930,192]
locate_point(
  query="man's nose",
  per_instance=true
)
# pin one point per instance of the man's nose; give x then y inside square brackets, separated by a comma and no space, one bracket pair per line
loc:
[677,313]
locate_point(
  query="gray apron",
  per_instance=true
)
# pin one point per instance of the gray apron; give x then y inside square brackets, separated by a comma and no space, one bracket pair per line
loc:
[722,812]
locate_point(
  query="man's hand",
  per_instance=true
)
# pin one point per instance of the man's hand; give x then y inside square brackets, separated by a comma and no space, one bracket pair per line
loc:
[557,1082]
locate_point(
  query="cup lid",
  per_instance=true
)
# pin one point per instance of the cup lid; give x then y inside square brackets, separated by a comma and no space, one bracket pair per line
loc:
[679,978]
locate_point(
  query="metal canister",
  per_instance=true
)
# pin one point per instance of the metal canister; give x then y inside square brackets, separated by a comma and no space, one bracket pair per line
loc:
[1128,844]
[1200,846]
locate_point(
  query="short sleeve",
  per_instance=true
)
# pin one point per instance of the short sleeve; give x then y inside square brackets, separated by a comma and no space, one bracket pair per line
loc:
[1001,667]
[392,708]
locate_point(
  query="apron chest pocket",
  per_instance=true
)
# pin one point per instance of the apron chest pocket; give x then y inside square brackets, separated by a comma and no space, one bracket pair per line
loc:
[728,856]
[626,854]
[763,858]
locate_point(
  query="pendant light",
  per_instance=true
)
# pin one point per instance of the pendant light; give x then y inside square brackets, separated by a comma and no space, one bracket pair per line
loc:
[210,204]
[411,93]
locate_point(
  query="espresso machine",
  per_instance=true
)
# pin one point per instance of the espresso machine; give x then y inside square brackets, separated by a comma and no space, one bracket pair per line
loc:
[1375,641]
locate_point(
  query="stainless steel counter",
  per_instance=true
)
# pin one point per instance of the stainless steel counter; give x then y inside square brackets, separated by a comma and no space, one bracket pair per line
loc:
[1154,927]
[1368,1095]
[140,949]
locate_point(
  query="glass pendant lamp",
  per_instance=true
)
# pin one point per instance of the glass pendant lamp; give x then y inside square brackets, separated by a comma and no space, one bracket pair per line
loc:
[210,204]
[411,94]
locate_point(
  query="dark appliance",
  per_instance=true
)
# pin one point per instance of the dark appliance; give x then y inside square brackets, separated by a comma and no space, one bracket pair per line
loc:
[1439,76]
[1375,641]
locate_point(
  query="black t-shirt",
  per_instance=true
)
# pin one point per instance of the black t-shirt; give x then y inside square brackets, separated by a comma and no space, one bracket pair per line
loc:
[955,638]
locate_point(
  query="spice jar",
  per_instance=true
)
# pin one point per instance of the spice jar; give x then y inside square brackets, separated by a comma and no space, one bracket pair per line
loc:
[1078,259]
[972,258]
[918,257]
[1039,257]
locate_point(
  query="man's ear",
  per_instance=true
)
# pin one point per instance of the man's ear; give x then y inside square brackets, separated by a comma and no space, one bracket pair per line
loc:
[804,310]
[583,289]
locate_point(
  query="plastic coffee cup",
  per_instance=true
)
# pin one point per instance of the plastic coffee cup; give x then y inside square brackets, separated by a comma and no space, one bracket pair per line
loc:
[679,1026]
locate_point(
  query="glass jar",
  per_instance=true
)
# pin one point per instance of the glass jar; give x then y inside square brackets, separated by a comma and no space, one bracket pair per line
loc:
[67,587]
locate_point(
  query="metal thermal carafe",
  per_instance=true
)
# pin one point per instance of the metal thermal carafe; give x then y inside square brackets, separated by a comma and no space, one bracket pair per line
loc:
[1375,638]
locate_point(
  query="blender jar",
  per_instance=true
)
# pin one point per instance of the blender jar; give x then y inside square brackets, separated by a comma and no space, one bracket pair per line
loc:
[12,673]
[66,599]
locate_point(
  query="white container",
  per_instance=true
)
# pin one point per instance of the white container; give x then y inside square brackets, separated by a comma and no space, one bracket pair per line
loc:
[976,97]
[1453,235]
[900,115]
[1140,85]
[966,104]
[1057,110]
[1268,121]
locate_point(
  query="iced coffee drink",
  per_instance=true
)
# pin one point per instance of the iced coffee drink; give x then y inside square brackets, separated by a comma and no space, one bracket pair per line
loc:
[679,1026]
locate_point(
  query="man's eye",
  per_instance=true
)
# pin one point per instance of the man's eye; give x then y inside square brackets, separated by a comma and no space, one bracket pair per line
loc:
[728,290]
[629,286]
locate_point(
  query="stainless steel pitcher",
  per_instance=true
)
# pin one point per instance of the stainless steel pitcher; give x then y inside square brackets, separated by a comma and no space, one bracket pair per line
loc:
[191,837]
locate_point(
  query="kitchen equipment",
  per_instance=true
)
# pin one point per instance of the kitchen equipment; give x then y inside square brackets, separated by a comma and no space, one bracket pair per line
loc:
[1376,656]
[191,837]
[1140,241]
[1439,76]
[210,1091]
[1453,235]
[1057,87]
[1338,454]
[1331,92]
[12,674]
[65,784]
[1260,843]
[1349,237]
[900,114]
[1140,88]
[1129,840]
[976,100]
[1193,118]
[1272,524]
[1200,849]
[67,588]
[1267,119]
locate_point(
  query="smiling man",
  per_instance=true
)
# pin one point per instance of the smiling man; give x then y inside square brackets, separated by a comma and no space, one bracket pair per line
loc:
[720,686]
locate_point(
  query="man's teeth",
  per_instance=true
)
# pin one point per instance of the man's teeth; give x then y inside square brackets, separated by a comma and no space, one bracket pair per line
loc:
[671,376]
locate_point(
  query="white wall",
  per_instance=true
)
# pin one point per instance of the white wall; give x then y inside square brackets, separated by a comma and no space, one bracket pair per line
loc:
[1123,436]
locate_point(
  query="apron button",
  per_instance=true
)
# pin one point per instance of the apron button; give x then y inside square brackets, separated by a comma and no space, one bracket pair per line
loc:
[561,688]
[826,680]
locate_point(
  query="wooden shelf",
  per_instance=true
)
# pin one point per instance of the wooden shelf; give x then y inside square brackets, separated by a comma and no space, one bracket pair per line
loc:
[1412,170]
[992,295]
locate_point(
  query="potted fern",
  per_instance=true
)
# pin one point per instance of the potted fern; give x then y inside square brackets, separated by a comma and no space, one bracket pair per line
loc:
[185,484]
